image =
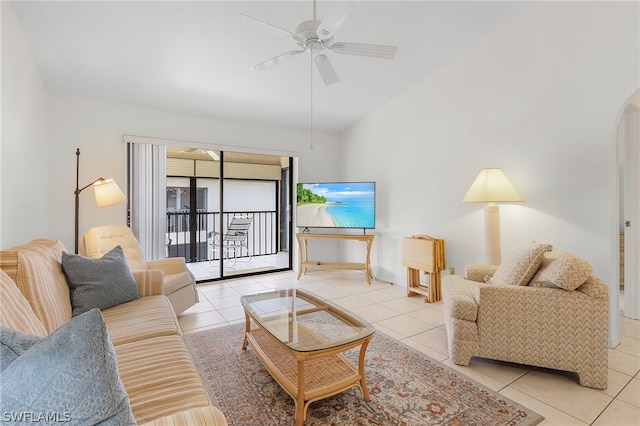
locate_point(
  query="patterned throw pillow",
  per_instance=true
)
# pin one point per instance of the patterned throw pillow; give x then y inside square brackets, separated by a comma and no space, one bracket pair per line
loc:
[69,376]
[560,269]
[99,283]
[521,265]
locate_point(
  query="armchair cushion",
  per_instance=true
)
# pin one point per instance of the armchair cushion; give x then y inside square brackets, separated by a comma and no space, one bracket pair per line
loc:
[99,283]
[521,265]
[101,239]
[563,270]
[175,282]
[169,266]
[480,273]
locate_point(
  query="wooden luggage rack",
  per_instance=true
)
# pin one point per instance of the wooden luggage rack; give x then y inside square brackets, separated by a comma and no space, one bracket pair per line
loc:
[423,253]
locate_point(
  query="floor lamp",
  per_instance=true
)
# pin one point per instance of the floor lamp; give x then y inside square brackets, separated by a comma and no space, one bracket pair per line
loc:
[491,187]
[106,191]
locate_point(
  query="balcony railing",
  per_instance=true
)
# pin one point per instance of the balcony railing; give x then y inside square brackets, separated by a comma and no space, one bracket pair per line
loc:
[192,235]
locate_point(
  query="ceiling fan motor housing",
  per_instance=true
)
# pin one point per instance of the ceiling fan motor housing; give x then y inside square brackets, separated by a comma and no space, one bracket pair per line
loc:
[308,35]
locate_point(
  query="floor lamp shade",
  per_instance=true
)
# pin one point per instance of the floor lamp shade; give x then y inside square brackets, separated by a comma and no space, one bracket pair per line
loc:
[107,193]
[492,186]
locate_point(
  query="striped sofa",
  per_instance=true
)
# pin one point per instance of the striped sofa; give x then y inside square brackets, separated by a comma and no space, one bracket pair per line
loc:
[154,363]
[531,319]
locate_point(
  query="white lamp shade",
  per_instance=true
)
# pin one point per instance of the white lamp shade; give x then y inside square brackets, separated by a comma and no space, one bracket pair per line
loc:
[492,186]
[107,193]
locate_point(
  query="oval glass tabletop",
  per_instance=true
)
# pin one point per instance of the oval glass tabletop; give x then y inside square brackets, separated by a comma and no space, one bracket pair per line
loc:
[303,321]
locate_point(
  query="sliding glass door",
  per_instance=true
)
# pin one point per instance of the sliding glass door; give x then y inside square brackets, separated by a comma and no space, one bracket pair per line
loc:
[227,212]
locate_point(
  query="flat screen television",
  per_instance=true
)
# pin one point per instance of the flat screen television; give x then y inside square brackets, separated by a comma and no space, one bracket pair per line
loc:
[336,205]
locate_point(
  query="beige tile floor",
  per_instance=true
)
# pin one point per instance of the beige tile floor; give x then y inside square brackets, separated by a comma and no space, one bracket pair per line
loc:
[555,395]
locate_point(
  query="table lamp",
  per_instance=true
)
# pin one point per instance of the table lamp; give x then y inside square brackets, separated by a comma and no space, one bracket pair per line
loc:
[491,187]
[106,191]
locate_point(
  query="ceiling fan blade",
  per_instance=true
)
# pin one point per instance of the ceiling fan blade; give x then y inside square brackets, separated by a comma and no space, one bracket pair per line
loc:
[276,60]
[335,17]
[265,26]
[327,71]
[381,51]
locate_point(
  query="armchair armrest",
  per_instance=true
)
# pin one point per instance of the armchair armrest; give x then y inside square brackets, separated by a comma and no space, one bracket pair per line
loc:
[479,272]
[170,266]
[149,281]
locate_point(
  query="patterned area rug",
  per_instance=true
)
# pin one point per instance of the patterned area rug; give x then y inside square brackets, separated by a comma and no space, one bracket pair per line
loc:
[407,388]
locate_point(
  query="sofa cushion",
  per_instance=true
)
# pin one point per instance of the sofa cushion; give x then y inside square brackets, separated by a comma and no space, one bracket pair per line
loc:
[196,416]
[16,313]
[521,265]
[36,269]
[563,270]
[140,319]
[71,374]
[99,283]
[160,377]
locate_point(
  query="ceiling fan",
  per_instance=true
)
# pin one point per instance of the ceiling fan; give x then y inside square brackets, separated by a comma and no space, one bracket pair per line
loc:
[316,36]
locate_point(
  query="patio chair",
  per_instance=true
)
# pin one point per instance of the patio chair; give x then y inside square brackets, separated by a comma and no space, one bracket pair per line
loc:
[233,240]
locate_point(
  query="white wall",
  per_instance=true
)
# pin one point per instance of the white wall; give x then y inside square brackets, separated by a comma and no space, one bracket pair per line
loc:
[538,98]
[96,127]
[24,148]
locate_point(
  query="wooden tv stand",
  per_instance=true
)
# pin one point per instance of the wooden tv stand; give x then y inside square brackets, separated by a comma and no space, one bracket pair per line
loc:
[304,262]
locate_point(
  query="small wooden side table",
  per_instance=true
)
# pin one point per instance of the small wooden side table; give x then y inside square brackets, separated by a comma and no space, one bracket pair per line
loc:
[423,253]
[304,262]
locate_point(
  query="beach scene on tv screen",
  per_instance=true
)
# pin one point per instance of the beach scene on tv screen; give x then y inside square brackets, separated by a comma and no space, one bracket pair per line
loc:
[336,205]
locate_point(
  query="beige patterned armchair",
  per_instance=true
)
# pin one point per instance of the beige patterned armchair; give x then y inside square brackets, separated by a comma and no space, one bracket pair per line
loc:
[548,312]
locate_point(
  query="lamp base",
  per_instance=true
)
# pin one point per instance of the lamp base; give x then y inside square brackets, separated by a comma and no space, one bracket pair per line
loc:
[492,234]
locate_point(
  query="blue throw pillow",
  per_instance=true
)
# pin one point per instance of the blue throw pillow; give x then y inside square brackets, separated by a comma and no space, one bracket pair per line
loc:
[20,343]
[70,376]
[99,283]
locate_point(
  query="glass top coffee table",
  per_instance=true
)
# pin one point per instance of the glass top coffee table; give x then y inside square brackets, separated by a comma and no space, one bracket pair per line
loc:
[299,338]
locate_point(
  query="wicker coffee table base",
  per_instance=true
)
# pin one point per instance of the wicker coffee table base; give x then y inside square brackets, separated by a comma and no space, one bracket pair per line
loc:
[308,376]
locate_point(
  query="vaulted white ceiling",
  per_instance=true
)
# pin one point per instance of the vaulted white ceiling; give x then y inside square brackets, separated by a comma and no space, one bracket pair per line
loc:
[195,57]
